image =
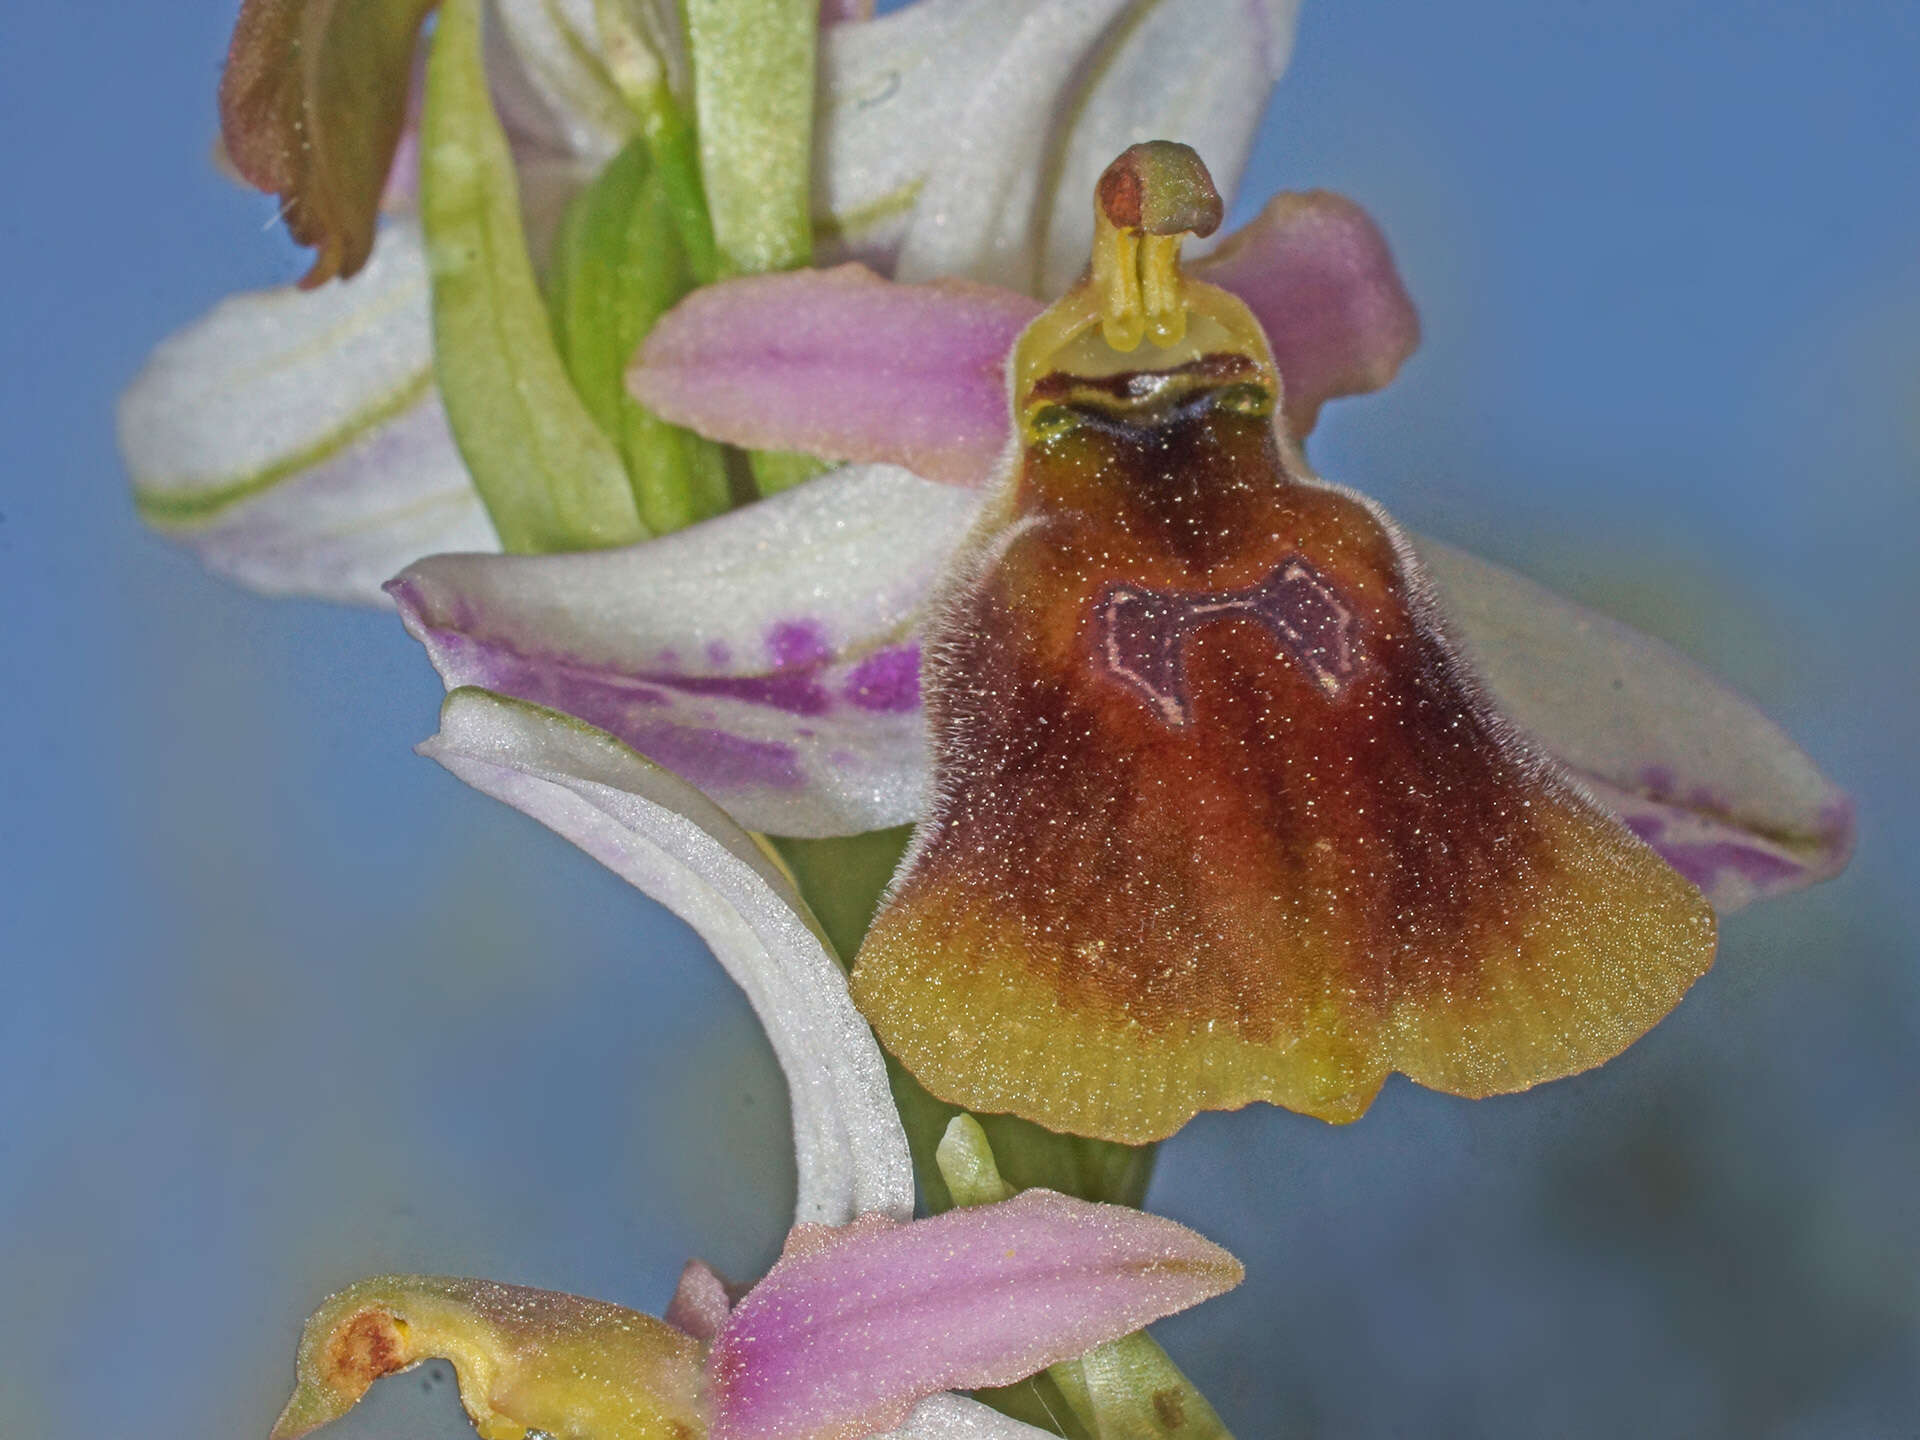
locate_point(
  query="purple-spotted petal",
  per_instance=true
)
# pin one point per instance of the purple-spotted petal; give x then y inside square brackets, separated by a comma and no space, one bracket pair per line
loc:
[293,438]
[1700,774]
[853,1325]
[1316,272]
[841,364]
[663,836]
[767,656]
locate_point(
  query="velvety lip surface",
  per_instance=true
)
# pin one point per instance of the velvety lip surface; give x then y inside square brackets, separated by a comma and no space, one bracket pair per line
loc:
[1222,816]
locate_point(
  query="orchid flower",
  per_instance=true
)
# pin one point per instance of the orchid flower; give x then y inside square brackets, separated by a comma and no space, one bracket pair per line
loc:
[867,1312]
[771,656]
[296,439]
[791,705]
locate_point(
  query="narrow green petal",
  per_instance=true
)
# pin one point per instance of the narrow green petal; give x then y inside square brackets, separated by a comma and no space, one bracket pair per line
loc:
[619,264]
[550,478]
[753,66]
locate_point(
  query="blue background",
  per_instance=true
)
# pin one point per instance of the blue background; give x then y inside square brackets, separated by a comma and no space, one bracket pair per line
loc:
[285,1005]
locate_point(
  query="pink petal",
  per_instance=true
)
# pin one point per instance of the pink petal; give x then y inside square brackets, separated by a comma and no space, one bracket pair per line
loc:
[1316,272]
[855,1324]
[841,364]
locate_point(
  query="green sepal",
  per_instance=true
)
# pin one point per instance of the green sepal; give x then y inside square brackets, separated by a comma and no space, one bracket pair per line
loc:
[677,155]
[550,477]
[777,470]
[753,85]
[618,265]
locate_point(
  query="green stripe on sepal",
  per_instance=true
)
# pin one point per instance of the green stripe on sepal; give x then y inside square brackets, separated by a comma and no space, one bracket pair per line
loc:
[550,477]
[202,505]
[618,265]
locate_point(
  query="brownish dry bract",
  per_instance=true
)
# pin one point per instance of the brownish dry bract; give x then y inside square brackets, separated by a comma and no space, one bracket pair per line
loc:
[312,103]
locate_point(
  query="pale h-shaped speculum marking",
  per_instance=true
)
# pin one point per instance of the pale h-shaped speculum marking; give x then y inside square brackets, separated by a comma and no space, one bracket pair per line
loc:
[1141,634]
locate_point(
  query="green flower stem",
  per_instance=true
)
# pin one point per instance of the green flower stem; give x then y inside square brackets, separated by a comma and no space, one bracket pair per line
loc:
[619,265]
[549,476]
[843,881]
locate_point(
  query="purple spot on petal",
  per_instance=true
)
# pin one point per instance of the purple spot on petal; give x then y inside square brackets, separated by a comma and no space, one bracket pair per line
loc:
[620,705]
[1658,781]
[718,654]
[798,692]
[1141,634]
[1647,827]
[796,643]
[1703,864]
[887,681]
[1707,802]
[717,761]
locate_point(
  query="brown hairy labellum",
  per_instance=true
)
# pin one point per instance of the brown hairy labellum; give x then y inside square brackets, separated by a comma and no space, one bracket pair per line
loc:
[1221,814]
